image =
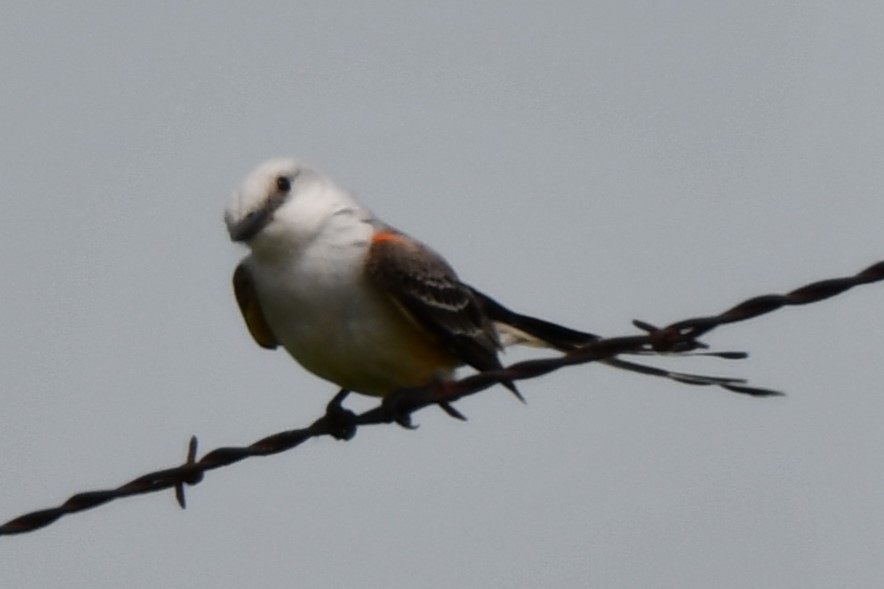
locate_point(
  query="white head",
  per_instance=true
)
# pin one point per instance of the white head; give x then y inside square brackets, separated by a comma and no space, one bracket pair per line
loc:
[283,204]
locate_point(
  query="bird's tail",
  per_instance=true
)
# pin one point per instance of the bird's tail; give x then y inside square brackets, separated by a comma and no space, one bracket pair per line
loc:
[515,328]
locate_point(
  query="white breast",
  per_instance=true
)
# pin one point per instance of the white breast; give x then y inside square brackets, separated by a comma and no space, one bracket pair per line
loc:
[338,326]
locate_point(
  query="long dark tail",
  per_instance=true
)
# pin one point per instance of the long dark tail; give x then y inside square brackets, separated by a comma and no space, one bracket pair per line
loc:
[553,335]
[566,339]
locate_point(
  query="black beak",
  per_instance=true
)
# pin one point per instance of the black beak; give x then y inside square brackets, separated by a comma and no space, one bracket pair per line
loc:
[249,227]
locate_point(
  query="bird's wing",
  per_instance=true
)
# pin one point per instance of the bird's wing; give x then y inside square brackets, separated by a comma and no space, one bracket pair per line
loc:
[251,309]
[425,287]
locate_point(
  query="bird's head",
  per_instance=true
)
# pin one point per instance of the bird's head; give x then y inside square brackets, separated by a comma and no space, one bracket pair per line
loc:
[282,204]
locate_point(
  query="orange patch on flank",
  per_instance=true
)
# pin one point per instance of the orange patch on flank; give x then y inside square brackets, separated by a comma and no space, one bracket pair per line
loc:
[388,236]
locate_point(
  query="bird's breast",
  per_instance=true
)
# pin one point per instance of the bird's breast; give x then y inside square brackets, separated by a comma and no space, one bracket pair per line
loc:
[342,328]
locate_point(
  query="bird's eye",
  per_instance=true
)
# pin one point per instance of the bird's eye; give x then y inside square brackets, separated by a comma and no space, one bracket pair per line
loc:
[283,184]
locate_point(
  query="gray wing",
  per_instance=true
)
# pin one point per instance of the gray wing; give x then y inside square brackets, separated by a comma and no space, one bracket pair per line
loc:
[424,286]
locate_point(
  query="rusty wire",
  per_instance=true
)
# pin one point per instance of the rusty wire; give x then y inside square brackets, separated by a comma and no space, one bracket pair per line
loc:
[677,337]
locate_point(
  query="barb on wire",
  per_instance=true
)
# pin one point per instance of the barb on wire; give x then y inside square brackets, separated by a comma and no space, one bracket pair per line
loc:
[677,337]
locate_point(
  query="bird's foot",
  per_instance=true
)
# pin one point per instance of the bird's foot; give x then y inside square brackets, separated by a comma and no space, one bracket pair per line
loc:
[397,410]
[341,421]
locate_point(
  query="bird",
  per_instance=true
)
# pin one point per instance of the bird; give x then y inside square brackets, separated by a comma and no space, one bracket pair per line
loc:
[359,303]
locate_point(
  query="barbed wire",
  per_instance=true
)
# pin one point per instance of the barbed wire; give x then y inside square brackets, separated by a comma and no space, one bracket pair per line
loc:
[678,337]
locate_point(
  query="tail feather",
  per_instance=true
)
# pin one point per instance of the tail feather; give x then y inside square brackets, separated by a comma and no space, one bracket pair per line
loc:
[550,335]
[527,330]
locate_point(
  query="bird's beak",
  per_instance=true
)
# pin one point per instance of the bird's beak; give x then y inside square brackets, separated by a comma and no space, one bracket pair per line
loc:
[250,226]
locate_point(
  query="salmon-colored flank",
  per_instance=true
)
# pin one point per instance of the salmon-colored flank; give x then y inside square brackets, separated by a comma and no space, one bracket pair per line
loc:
[388,236]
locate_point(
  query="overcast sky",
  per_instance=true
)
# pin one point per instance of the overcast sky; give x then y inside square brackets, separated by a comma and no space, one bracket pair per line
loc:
[589,162]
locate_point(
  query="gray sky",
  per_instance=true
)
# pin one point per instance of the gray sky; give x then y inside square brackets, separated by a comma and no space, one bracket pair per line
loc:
[590,162]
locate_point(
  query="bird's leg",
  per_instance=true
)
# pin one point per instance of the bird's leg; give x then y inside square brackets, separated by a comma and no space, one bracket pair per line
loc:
[445,389]
[393,405]
[341,421]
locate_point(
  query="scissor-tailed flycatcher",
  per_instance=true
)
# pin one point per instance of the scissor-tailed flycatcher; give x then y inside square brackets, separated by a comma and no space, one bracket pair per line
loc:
[357,302]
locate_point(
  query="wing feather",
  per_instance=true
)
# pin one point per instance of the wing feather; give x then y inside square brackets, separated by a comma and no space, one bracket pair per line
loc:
[251,309]
[428,289]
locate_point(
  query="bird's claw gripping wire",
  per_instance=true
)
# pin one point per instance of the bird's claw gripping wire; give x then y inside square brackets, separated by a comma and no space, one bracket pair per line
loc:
[342,423]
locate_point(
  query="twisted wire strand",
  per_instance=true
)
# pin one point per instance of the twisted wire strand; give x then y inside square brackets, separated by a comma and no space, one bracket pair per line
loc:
[680,336]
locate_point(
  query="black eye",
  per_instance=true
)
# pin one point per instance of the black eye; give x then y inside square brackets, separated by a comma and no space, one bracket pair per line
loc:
[283,184]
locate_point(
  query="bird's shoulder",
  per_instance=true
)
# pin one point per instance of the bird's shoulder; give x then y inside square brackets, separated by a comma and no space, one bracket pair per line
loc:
[424,285]
[406,267]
